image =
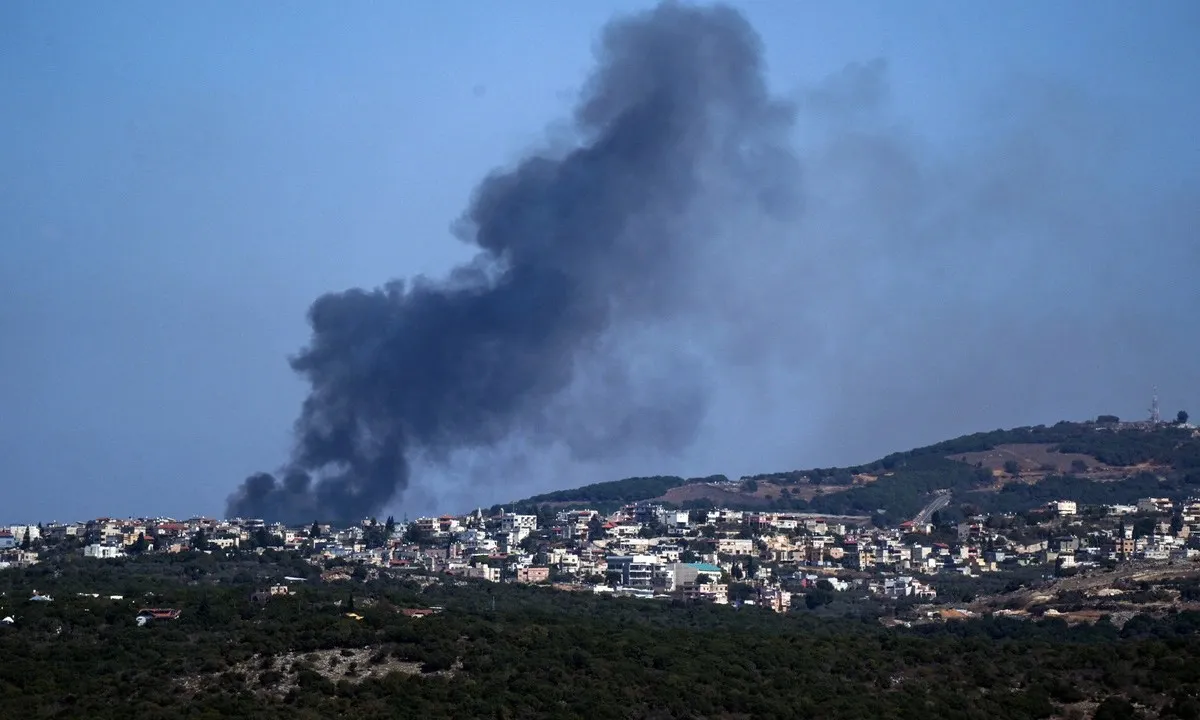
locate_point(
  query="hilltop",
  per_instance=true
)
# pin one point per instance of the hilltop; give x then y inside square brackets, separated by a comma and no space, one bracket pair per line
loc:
[1094,462]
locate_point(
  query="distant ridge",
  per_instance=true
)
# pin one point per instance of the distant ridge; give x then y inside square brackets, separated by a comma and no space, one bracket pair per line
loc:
[1094,462]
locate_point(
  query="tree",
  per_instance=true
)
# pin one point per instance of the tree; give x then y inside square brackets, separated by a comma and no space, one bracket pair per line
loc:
[1181,417]
[740,592]
[315,530]
[25,541]
[200,540]
[389,528]
[204,609]
[263,539]
[416,535]
[140,545]
[596,528]
[375,535]
[546,516]
[1078,466]
[1116,707]
[1012,467]
[750,486]
[815,598]
[651,530]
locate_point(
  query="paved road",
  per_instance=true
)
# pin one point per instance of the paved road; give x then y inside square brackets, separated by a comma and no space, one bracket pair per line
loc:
[939,502]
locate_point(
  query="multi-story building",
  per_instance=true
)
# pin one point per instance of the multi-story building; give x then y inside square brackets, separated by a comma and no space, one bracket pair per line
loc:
[511,523]
[636,570]
[1066,508]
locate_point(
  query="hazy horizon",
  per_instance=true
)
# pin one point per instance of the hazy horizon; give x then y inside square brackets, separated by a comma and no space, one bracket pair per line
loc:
[995,225]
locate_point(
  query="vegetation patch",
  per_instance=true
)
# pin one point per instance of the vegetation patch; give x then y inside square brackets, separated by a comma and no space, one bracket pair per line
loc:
[278,675]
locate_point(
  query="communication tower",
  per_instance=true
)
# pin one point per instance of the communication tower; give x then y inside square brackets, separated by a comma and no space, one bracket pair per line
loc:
[1155,415]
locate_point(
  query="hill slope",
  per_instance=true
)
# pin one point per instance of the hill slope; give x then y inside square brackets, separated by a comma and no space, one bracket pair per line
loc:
[500,650]
[997,471]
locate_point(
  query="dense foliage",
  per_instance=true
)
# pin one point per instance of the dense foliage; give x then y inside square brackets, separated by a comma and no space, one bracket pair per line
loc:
[512,651]
[628,490]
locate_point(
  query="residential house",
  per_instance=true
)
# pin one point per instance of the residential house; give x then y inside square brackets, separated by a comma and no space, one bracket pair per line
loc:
[103,552]
[1065,508]
[533,574]
[735,546]
[635,570]
[481,572]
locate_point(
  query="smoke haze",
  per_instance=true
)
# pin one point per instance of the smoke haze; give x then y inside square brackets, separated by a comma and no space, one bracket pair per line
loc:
[575,250]
[707,258]
[681,252]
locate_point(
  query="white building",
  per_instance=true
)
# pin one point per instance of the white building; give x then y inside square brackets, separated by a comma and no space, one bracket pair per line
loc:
[1155,505]
[674,518]
[735,546]
[565,560]
[1066,507]
[103,552]
[18,532]
[518,527]
[482,572]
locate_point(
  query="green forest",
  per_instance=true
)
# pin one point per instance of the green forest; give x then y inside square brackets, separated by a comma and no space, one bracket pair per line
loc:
[508,651]
[629,490]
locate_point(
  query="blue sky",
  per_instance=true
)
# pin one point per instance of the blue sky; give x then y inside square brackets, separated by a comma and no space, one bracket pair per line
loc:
[182,180]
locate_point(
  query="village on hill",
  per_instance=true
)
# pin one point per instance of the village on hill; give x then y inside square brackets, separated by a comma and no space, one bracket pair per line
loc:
[949,558]
[1073,547]
[723,556]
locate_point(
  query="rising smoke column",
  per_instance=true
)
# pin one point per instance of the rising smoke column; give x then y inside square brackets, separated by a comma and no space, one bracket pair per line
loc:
[571,247]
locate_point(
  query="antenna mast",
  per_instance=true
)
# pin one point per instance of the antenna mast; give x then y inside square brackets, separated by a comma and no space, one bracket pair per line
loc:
[1155,415]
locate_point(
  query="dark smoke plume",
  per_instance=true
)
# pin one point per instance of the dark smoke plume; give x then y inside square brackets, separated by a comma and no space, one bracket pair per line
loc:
[573,247]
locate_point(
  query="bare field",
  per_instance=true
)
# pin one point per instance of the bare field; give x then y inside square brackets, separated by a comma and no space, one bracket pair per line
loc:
[1030,457]
[1098,585]
[718,496]
[762,497]
[808,492]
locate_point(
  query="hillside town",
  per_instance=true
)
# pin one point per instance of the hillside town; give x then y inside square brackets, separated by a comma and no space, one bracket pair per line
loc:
[722,556]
